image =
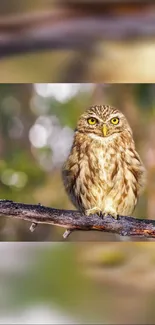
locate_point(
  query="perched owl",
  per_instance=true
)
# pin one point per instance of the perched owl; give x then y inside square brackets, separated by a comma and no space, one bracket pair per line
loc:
[104,173]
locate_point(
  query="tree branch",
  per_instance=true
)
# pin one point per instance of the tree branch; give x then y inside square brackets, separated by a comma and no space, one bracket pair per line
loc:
[73,220]
[71,31]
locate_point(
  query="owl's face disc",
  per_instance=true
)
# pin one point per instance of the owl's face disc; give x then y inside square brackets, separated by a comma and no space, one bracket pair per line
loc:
[102,121]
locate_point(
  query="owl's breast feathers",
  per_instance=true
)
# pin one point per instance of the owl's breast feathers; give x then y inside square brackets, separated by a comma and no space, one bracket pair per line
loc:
[104,173]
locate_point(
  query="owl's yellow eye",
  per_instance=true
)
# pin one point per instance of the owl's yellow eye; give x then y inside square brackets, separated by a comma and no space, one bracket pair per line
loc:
[92,121]
[114,120]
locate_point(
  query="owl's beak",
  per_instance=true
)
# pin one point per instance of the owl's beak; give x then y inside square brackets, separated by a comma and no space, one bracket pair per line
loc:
[105,130]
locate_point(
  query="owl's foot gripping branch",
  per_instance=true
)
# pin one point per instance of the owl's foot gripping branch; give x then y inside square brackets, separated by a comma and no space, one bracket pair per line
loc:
[74,220]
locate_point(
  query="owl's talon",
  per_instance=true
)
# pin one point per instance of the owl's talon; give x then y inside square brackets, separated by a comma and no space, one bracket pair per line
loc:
[94,210]
[101,214]
[115,216]
[112,214]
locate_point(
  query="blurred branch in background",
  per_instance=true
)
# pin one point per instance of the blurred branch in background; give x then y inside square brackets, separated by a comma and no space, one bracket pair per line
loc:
[69,30]
[73,220]
[77,40]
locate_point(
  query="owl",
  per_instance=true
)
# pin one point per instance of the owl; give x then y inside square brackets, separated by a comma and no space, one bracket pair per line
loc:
[103,173]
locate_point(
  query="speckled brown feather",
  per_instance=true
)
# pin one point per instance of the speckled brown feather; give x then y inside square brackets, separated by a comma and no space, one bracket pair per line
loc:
[104,173]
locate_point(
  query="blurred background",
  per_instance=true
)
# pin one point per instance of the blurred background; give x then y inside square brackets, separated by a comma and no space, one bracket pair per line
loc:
[82,283]
[77,41]
[98,279]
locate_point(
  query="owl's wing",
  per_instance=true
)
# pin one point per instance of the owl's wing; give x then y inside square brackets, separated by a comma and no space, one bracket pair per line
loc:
[140,173]
[69,180]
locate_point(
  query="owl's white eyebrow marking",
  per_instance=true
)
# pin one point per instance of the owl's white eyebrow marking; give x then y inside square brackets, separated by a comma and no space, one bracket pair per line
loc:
[115,116]
[103,112]
[92,115]
[98,118]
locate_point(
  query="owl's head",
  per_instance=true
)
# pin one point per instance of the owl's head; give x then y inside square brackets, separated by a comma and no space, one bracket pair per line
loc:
[103,121]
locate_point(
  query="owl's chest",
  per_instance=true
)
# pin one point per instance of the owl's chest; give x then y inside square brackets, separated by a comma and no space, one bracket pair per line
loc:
[105,166]
[110,171]
[104,171]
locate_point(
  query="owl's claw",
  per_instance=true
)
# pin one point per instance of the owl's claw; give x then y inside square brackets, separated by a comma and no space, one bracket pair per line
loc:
[94,210]
[101,214]
[112,214]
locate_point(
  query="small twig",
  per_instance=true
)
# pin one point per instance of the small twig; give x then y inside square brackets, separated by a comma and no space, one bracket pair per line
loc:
[67,233]
[33,226]
[74,220]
